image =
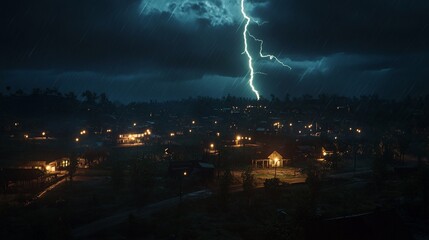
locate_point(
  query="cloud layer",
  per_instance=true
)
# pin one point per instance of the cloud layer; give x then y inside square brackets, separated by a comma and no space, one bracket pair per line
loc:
[195,47]
[215,12]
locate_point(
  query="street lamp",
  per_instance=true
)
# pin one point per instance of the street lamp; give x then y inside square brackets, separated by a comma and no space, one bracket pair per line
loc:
[181,183]
[276,160]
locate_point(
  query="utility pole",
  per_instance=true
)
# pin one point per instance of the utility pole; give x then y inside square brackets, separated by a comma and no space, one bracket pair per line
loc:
[181,185]
[275,167]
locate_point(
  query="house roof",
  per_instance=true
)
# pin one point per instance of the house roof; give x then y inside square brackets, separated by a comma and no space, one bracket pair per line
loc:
[275,155]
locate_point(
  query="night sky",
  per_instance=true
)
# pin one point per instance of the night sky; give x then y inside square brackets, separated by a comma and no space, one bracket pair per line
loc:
[137,50]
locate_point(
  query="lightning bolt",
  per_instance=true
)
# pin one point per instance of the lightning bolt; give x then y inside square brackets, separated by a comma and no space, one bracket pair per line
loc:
[271,57]
[246,50]
[246,33]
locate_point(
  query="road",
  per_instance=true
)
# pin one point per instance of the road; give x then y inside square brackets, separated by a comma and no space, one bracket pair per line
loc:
[46,190]
[91,228]
[40,195]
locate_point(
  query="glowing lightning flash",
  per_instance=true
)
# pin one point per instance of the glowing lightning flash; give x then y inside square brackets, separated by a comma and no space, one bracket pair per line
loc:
[246,50]
[271,57]
[249,56]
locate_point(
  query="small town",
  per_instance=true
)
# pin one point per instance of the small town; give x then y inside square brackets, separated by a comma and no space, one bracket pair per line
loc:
[299,163]
[214,120]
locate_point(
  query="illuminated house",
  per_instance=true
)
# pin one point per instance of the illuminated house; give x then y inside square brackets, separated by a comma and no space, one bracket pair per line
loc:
[46,166]
[273,160]
[276,160]
[133,138]
[63,163]
[327,151]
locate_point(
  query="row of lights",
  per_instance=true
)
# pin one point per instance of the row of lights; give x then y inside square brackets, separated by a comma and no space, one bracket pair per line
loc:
[172,134]
[195,122]
[238,138]
[83,132]
[26,136]
[146,133]
[357,130]
[278,124]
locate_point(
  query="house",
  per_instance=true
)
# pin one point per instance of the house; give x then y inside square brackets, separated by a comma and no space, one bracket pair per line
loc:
[328,150]
[45,166]
[134,138]
[275,159]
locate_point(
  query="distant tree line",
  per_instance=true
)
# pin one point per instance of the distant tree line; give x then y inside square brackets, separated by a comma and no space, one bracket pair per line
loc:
[407,113]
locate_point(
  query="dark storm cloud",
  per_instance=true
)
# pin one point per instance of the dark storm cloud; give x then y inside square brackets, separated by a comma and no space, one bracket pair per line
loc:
[90,35]
[368,46]
[313,27]
[346,47]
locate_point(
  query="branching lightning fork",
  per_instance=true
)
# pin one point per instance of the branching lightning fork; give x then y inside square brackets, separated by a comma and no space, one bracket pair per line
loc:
[271,57]
[249,56]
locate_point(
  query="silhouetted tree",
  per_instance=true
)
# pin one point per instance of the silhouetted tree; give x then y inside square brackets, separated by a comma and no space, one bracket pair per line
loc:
[72,167]
[314,179]
[143,177]
[272,187]
[379,168]
[117,174]
[403,144]
[224,187]
[71,99]
[19,93]
[418,149]
[249,183]
[90,156]
[36,92]
[90,98]
[333,161]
